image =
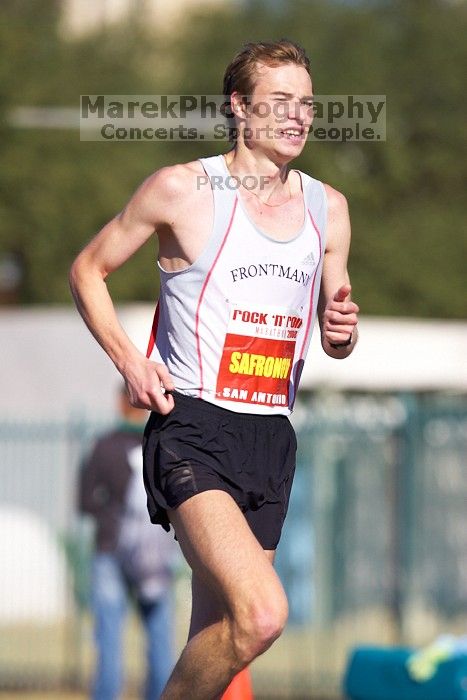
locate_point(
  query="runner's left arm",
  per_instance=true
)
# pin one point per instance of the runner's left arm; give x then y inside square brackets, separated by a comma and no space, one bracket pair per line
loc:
[337,313]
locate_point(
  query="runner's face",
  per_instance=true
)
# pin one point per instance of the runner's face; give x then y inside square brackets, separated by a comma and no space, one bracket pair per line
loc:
[281,111]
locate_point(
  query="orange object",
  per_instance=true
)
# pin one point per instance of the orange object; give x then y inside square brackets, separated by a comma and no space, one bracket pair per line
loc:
[240,688]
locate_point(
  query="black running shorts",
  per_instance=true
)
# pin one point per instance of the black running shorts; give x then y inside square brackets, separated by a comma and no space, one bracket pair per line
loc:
[199,447]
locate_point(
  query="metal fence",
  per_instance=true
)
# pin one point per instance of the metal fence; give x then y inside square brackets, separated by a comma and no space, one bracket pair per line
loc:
[374,548]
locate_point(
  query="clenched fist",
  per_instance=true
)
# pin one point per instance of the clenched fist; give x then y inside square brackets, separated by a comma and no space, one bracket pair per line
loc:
[340,318]
[145,383]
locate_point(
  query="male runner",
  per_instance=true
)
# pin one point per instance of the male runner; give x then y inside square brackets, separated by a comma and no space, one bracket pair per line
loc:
[243,273]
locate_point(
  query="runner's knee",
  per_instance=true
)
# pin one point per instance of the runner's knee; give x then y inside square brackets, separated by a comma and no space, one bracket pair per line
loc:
[258,627]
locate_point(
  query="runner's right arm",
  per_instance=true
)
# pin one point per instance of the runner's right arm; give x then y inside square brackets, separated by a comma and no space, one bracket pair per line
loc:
[149,208]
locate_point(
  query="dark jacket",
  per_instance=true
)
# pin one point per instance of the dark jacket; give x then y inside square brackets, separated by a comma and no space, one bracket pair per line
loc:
[104,480]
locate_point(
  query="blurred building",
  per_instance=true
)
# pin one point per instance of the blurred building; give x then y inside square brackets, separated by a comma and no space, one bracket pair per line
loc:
[85,16]
[52,366]
[374,548]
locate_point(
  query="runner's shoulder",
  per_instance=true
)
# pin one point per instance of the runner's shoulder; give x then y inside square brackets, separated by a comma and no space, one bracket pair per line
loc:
[337,202]
[175,181]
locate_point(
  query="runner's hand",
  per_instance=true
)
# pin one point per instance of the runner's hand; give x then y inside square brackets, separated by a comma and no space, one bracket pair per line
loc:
[147,384]
[340,317]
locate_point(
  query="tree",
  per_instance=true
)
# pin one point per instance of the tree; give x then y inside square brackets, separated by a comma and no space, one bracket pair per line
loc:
[406,195]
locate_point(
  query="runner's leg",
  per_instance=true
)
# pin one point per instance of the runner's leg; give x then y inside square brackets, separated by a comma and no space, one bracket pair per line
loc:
[207,608]
[247,609]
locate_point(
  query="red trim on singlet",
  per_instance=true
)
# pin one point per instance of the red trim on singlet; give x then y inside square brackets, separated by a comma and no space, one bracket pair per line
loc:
[310,311]
[208,276]
[153,334]
[317,231]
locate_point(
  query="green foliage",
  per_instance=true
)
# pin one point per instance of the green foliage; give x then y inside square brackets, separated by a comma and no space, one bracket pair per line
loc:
[406,195]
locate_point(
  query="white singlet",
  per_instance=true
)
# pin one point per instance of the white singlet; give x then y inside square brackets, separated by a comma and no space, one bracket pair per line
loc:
[234,327]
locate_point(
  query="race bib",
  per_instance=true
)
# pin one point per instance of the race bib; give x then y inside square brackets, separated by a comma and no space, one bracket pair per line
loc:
[258,354]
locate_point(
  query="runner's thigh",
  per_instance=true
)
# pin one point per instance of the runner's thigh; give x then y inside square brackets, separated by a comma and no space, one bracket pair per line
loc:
[208,608]
[223,552]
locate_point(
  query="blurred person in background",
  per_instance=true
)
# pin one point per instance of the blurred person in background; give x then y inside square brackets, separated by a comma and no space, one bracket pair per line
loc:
[132,558]
[245,271]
